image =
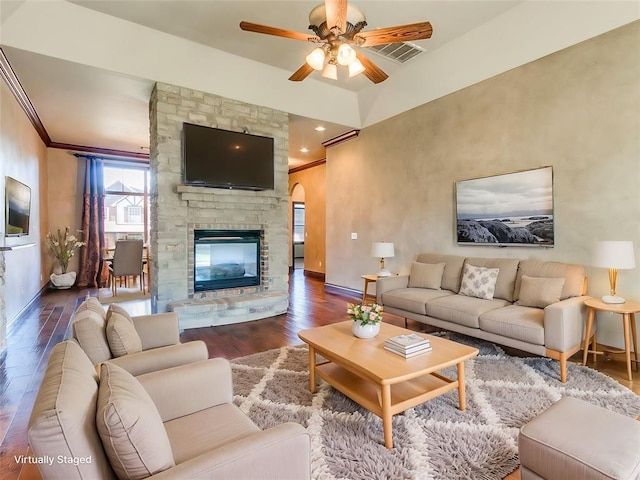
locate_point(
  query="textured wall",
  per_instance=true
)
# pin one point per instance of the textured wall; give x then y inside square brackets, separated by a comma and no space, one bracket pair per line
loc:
[577,110]
[313,180]
[176,210]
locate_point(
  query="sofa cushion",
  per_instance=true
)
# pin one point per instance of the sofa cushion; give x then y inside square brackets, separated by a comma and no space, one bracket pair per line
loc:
[413,300]
[122,336]
[63,419]
[113,308]
[521,323]
[130,426]
[506,282]
[188,438]
[573,275]
[426,275]
[539,291]
[92,304]
[461,309]
[452,269]
[479,282]
[88,328]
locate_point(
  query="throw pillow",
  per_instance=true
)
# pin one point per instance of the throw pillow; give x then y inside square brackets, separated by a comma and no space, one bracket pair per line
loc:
[130,426]
[479,282]
[89,330]
[426,275]
[113,308]
[122,336]
[540,291]
[92,304]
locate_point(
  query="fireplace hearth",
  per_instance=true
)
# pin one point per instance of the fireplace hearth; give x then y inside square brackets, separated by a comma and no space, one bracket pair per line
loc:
[226,259]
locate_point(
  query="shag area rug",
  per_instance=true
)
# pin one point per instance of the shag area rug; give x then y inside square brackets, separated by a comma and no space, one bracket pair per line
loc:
[434,440]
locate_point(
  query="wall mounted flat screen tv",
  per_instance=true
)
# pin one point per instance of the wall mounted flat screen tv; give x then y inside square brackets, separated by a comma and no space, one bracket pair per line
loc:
[18,207]
[213,157]
[510,209]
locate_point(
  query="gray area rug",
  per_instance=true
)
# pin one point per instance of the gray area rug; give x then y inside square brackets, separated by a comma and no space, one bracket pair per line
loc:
[434,440]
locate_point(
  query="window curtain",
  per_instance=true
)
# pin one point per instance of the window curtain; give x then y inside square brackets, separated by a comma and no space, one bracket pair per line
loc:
[92,225]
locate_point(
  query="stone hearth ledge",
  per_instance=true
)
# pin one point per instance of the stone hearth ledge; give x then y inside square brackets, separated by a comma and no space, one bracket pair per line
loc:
[211,312]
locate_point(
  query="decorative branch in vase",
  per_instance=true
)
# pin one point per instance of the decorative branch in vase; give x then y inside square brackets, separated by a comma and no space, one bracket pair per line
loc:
[62,246]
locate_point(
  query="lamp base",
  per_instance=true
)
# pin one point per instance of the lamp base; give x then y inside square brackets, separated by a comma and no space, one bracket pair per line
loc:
[384,273]
[613,299]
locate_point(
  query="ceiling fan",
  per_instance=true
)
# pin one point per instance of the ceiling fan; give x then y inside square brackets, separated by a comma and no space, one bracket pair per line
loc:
[338,28]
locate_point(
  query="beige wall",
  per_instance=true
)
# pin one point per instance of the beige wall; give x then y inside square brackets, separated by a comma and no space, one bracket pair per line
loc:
[577,110]
[313,180]
[23,157]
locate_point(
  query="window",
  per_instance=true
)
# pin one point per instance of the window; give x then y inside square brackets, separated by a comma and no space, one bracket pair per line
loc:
[126,202]
[298,222]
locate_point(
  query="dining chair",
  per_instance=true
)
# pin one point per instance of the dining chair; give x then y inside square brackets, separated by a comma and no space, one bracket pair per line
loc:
[127,261]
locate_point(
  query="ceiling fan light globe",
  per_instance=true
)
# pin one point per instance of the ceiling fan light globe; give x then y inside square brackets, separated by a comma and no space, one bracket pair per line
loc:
[346,54]
[330,71]
[316,59]
[355,68]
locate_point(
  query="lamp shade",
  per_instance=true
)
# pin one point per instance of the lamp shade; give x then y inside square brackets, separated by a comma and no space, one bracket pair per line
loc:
[614,254]
[382,250]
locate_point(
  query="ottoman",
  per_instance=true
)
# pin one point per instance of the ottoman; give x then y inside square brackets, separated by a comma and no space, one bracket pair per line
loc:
[574,439]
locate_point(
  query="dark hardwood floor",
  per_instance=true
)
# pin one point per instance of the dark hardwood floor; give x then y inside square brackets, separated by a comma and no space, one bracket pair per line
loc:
[46,322]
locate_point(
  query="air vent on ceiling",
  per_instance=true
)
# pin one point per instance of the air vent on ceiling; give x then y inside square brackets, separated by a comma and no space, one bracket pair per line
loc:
[397,52]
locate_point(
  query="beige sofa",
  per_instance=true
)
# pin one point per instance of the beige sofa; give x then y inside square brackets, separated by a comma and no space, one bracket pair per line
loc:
[175,423]
[139,344]
[536,306]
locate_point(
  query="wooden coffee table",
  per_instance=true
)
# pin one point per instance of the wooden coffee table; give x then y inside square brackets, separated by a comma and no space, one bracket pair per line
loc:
[381,381]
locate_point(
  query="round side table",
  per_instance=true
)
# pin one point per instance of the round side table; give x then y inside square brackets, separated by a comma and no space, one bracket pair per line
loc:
[628,311]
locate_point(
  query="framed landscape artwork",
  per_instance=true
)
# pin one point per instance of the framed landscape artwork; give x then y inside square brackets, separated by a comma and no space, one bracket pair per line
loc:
[510,209]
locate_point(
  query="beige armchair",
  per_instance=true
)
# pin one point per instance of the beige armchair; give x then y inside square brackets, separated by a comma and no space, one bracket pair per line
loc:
[139,344]
[175,424]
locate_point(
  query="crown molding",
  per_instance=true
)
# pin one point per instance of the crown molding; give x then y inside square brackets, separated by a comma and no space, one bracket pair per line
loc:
[307,165]
[341,138]
[99,151]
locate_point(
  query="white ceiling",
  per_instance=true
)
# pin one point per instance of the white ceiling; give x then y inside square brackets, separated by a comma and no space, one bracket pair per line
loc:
[89,66]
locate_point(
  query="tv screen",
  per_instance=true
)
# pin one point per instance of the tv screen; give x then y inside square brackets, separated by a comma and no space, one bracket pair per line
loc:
[213,157]
[510,209]
[18,207]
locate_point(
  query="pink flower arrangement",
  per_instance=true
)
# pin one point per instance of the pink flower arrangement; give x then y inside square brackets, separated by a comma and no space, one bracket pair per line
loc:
[365,314]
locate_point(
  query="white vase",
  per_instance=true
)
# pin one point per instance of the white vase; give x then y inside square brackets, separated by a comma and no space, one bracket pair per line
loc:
[369,330]
[63,280]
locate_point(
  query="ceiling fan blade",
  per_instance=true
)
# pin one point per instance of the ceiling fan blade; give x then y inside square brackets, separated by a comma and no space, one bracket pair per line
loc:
[401,33]
[371,70]
[278,32]
[336,12]
[303,72]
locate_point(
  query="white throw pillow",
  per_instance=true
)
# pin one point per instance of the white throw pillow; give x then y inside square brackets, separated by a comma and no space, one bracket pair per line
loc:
[130,426]
[426,275]
[479,282]
[122,336]
[539,292]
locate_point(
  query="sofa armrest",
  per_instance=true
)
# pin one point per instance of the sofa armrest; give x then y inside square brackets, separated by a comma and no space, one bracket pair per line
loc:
[394,282]
[191,388]
[163,357]
[157,330]
[564,323]
[279,452]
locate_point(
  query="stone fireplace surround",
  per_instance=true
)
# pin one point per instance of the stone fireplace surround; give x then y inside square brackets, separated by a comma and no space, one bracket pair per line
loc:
[177,210]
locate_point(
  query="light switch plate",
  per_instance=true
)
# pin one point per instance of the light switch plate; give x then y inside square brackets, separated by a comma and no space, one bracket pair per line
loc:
[354,236]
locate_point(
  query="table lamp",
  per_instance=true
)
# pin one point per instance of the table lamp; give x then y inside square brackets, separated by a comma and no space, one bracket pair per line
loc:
[382,250]
[614,255]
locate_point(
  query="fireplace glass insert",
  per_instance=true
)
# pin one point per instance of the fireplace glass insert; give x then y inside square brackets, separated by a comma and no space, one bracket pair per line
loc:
[226,259]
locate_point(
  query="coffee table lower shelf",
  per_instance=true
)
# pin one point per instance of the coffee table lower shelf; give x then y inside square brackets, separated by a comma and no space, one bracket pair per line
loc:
[370,395]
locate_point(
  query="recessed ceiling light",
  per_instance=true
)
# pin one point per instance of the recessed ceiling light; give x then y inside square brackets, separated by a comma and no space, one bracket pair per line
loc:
[304,149]
[319,128]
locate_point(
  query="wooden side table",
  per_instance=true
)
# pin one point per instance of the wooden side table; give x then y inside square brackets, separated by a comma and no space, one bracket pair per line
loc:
[367,280]
[628,311]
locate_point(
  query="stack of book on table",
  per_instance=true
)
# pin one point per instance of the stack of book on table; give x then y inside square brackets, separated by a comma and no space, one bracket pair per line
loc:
[407,345]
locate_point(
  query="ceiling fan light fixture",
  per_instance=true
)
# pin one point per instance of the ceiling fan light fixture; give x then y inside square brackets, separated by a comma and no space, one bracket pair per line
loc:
[316,59]
[330,71]
[355,68]
[346,54]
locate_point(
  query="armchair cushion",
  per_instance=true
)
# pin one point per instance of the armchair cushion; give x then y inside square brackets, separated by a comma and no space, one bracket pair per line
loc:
[122,335]
[130,426]
[89,331]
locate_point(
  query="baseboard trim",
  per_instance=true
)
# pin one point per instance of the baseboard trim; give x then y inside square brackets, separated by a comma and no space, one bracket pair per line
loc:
[345,291]
[310,273]
[44,288]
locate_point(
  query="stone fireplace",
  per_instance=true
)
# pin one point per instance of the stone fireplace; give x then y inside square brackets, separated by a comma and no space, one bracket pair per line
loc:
[193,228]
